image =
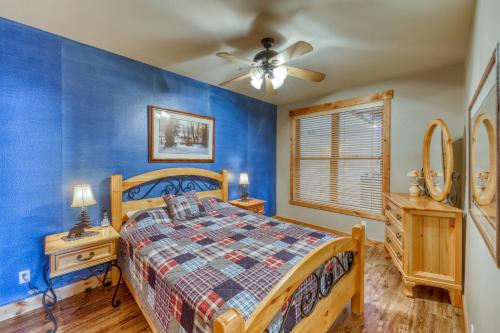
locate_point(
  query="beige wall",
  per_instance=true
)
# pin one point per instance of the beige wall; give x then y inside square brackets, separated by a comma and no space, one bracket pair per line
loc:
[417,100]
[482,277]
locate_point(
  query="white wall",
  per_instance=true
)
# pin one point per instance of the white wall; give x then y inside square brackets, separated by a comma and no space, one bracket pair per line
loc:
[417,100]
[482,277]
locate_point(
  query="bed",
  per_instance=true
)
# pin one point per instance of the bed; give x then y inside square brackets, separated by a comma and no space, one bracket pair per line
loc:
[231,271]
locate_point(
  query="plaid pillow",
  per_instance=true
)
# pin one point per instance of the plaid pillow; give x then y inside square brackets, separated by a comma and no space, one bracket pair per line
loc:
[210,203]
[147,217]
[183,207]
[193,201]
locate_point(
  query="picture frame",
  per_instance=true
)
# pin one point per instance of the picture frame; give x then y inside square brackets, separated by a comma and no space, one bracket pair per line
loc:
[483,126]
[176,136]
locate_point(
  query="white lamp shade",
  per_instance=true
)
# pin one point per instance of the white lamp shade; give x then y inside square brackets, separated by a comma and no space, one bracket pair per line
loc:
[244,178]
[82,196]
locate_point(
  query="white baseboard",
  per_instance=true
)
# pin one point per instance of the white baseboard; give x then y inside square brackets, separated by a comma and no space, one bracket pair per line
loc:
[14,309]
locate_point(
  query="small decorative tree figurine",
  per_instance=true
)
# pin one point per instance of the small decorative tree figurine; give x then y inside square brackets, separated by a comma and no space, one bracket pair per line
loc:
[82,198]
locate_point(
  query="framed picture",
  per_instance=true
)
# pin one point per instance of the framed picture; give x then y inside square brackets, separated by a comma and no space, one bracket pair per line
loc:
[176,136]
[483,156]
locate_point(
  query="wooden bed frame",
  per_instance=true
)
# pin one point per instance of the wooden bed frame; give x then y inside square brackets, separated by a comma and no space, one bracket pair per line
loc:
[349,288]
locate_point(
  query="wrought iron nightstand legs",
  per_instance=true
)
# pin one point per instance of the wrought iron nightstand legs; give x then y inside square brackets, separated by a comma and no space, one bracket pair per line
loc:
[114,302]
[49,297]
[48,304]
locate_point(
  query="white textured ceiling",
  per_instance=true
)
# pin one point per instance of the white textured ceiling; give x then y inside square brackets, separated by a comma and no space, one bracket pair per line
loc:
[355,41]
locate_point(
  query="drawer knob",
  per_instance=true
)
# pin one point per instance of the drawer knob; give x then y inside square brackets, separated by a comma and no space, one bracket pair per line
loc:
[398,217]
[387,207]
[388,240]
[398,235]
[81,258]
[399,256]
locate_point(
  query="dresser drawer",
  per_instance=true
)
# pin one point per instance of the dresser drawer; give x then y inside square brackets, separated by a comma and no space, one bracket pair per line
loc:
[396,228]
[78,259]
[394,249]
[393,210]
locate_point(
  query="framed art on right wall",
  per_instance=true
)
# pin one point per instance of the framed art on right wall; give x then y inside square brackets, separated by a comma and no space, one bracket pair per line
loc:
[483,156]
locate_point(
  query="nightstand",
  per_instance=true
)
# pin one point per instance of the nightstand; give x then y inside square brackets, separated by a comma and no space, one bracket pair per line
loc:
[97,253]
[253,205]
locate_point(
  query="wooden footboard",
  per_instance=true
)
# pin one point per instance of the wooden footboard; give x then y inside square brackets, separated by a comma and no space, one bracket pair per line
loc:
[349,288]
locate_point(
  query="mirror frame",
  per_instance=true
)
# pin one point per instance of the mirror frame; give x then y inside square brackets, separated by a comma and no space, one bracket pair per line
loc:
[489,192]
[447,159]
[493,66]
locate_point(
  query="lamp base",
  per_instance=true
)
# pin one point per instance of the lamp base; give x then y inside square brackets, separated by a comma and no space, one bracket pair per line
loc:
[244,193]
[83,222]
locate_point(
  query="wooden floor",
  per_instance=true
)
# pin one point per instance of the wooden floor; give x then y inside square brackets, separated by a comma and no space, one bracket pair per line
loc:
[386,309]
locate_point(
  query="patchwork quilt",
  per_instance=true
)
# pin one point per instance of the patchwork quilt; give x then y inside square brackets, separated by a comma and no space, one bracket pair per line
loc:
[187,273]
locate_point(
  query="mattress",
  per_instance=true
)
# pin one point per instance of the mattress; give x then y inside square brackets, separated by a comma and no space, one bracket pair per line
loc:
[188,273]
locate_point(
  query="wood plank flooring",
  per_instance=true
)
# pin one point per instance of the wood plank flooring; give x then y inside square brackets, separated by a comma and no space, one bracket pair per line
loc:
[386,309]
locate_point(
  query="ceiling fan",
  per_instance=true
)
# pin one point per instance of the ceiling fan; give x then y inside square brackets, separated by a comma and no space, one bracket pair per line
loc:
[269,66]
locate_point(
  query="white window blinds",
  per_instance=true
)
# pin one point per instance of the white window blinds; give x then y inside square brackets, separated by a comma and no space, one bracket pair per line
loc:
[338,159]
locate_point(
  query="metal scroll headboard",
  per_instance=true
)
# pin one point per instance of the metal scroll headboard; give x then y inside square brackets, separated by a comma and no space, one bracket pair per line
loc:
[171,185]
[144,191]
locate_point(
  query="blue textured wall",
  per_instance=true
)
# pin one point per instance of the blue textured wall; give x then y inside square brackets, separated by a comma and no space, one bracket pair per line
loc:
[72,113]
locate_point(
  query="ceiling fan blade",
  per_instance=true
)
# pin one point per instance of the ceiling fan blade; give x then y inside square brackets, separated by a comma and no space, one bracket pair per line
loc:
[234,58]
[305,74]
[269,87]
[236,79]
[293,51]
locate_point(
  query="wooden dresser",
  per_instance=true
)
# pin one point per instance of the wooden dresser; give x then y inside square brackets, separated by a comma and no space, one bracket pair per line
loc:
[424,240]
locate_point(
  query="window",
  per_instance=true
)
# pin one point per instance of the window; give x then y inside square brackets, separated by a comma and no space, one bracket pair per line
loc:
[340,155]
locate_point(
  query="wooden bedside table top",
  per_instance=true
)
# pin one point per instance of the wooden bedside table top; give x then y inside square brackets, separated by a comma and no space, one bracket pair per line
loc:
[248,203]
[54,243]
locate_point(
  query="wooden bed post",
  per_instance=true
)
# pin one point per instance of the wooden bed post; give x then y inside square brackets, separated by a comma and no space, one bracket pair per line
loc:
[116,214]
[358,300]
[230,321]
[116,202]
[225,185]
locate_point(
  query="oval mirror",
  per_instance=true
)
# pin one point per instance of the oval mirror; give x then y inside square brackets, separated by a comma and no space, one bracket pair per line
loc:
[483,160]
[438,159]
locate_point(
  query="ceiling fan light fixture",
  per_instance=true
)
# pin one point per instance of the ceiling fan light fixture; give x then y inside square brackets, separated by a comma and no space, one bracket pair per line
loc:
[279,76]
[269,66]
[280,73]
[256,73]
[256,83]
[277,83]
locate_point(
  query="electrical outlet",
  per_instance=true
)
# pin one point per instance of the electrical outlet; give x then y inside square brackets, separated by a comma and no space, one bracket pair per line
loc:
[24,276]
[472,330]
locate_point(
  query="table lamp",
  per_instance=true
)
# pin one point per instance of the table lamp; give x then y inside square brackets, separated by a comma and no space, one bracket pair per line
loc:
[82,198]
[243,183]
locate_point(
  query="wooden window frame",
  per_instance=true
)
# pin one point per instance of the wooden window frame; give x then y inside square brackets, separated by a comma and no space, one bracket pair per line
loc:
[384,97]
